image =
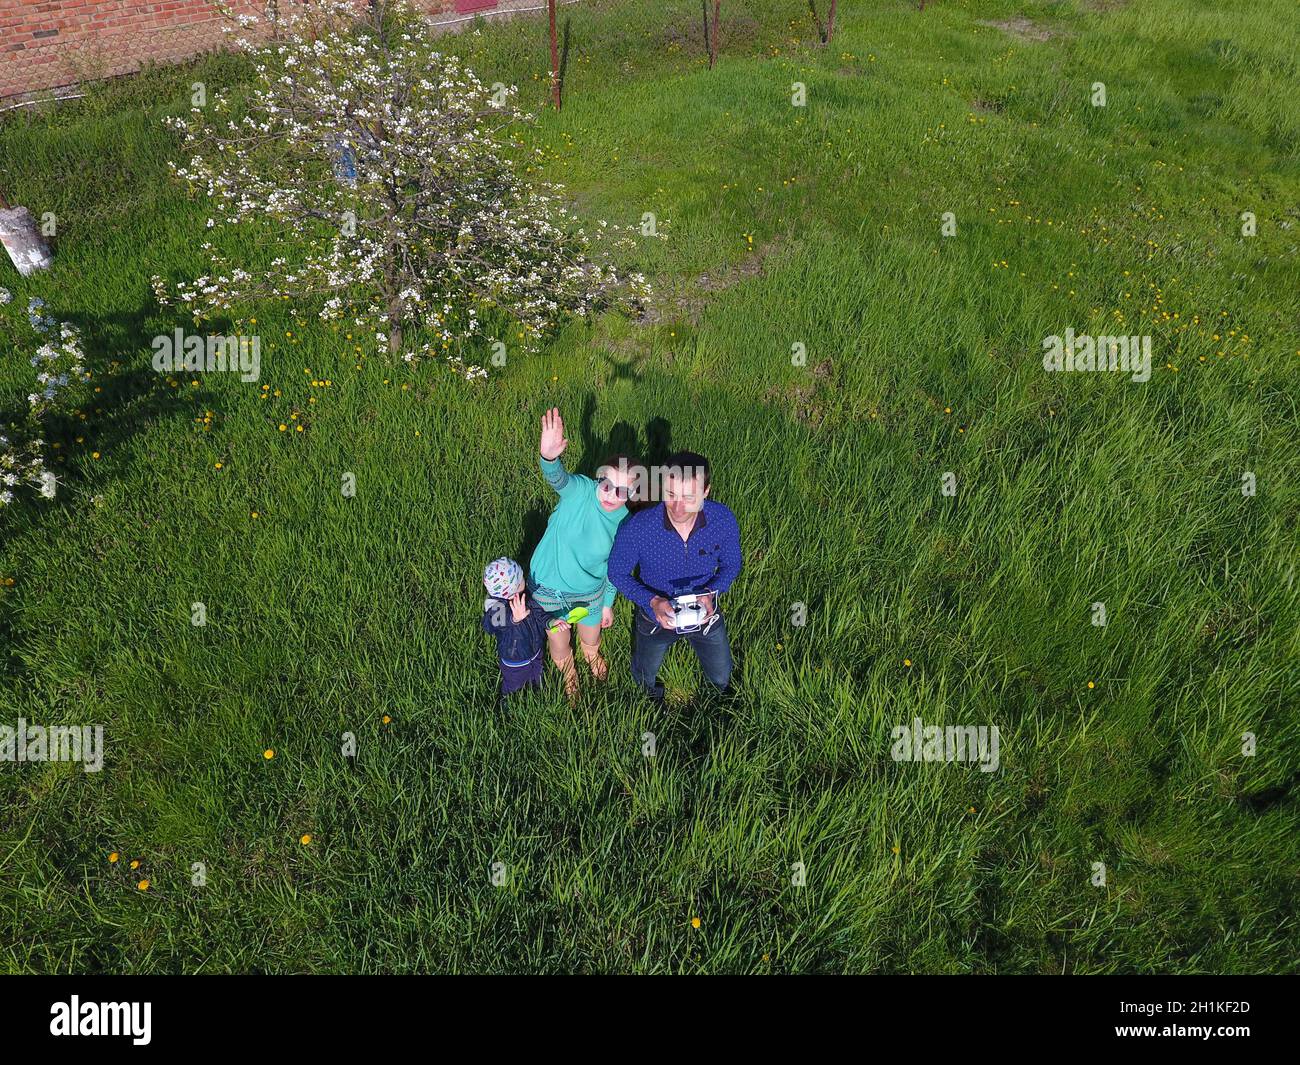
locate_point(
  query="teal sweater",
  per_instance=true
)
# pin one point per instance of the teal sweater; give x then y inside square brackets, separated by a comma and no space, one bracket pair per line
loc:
[574,552]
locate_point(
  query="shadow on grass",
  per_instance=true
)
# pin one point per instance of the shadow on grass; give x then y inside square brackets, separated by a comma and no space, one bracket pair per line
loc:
[564,58]
[1267,798]
[622,438]
[534,529]
[128,403]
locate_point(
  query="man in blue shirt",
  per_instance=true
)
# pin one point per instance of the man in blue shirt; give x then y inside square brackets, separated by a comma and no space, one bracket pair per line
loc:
[685,545]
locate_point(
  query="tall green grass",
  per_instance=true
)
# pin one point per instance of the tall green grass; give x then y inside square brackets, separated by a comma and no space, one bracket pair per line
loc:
[817,225]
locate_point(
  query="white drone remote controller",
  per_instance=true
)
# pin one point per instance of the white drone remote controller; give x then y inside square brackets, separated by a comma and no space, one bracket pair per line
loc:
[688,613]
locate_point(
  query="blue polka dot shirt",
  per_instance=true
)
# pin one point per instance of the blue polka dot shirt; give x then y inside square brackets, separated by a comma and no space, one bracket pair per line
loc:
[650,558]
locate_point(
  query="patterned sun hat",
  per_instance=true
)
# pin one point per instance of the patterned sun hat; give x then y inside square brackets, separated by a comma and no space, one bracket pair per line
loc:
[501,576]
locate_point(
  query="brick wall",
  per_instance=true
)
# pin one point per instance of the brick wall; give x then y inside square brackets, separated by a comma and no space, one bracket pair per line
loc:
[48,44]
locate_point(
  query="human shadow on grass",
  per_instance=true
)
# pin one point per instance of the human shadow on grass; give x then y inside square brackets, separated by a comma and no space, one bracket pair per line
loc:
[622,439]
[534,527]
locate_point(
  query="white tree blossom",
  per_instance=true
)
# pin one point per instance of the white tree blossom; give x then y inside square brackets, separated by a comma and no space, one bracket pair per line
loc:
[59,366]
[384,177]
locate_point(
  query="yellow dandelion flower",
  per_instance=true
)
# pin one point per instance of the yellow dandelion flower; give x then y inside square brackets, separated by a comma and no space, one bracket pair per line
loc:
[113,857]
[695,922]
[143,885]
[268,754]
[306,839]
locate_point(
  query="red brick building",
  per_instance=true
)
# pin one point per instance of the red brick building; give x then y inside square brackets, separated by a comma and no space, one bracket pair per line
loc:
[49,44]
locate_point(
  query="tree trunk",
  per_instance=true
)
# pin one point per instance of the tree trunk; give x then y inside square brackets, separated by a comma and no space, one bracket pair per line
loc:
[713,37]
[830,23]
[396,311]
[23,241]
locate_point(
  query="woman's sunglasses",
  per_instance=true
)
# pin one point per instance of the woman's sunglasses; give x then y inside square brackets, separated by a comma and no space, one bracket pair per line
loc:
[618,491]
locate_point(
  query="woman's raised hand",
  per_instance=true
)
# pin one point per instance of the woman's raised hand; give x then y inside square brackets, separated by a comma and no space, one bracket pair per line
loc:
[552,444]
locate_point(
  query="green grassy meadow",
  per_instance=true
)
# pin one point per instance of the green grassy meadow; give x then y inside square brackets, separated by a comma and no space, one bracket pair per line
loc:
[816,225]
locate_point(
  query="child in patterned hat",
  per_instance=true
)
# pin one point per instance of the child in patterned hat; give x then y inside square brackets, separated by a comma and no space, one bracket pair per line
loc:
[517,622]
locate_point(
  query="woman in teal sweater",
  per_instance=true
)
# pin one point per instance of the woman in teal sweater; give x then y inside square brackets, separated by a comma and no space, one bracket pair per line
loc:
[568,568]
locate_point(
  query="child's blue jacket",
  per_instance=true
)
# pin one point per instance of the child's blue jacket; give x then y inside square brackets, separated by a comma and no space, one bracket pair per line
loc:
[517,643]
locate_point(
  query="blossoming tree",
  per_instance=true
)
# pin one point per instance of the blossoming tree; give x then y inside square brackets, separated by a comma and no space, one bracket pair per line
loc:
[59,365]
[387,176]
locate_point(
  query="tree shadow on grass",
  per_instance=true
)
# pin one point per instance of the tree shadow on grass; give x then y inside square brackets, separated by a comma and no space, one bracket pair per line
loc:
[129,401]
[133,394]
[564,57]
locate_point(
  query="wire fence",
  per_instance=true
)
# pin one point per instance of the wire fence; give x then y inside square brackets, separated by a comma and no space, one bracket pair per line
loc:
[61,65]
[468,10]
[61,46]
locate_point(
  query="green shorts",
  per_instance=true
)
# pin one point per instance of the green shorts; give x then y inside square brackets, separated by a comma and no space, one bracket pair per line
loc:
[558,604]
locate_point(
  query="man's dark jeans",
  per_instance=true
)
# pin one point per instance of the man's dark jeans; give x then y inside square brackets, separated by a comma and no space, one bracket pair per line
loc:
[711,647]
